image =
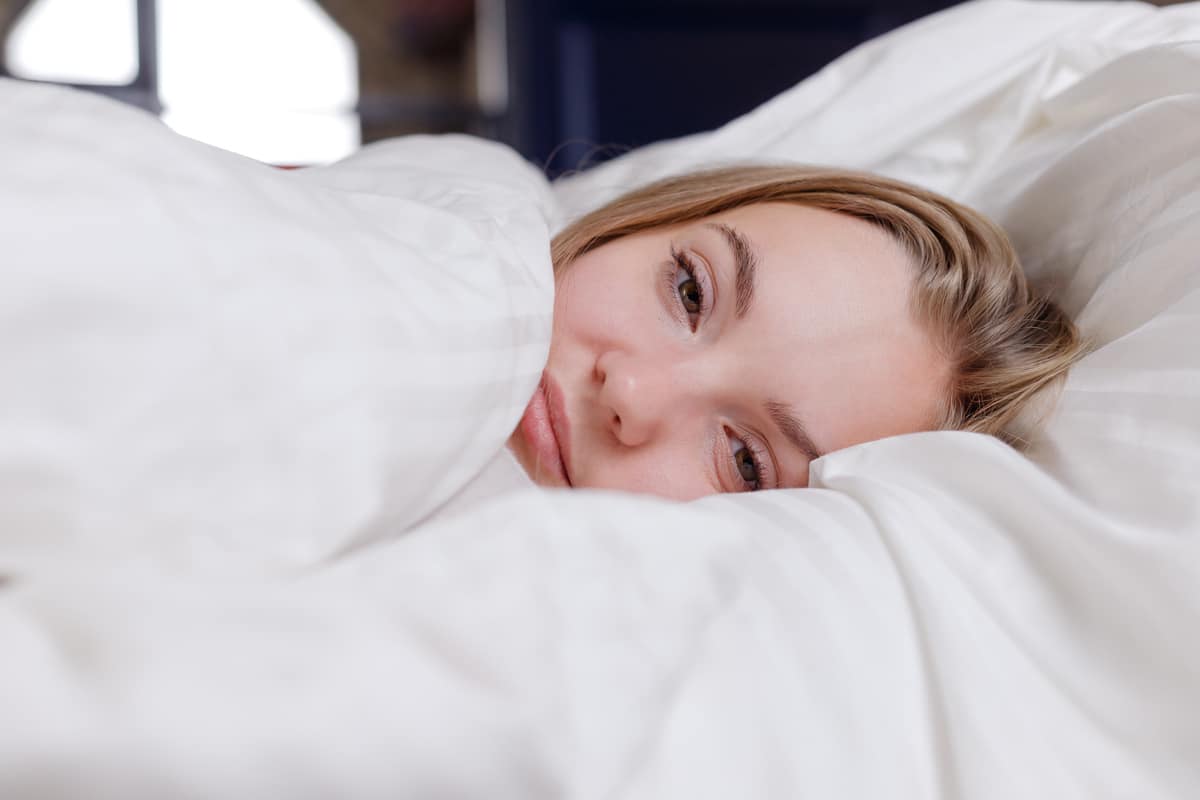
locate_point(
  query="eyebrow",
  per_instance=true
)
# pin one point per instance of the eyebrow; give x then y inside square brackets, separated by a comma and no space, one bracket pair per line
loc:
[746,261]
[792,428]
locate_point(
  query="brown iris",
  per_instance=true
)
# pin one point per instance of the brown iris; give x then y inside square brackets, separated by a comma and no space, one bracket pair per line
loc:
[689,293]
[745,464]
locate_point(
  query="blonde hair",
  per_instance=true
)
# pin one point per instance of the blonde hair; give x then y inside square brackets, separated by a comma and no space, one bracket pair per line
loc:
[1004,342]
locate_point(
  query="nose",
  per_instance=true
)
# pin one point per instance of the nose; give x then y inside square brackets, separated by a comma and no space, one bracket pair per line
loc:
[636,394]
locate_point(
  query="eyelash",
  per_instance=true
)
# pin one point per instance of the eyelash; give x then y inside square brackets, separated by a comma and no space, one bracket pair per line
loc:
[681,261]
[761,459]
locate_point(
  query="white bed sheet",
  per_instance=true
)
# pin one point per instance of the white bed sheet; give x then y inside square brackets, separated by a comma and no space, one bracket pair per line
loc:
[940,617]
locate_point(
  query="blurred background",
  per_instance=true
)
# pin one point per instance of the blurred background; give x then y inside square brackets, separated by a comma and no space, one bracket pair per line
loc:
[568,83]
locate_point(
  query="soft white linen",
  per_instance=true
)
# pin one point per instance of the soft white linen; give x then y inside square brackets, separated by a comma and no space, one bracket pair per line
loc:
[941,617]
[244,365]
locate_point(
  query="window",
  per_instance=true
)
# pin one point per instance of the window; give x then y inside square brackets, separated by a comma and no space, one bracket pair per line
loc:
[76,41]
[276,80]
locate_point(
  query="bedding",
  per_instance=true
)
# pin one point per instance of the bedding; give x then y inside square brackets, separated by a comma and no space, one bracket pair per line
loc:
[235,401]
[239,363]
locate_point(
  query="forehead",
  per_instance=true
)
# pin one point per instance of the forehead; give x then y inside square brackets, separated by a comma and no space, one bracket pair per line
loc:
[830,327]
[814,245]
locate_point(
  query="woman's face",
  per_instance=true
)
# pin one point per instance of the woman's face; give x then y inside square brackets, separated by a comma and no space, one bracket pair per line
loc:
[727,354]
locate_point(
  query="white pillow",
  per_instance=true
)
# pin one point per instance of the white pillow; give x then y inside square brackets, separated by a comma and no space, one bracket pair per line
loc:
[1102,197]
[241,365]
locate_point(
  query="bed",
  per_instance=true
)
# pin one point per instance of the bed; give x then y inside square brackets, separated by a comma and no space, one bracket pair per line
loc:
[238,400]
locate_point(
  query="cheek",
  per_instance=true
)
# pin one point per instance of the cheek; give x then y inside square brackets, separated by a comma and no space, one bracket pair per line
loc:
[593,300]
[876,401]
[672,470]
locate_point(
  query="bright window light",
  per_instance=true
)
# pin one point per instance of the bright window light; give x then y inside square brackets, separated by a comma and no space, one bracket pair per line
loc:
[75,41]
[276,80]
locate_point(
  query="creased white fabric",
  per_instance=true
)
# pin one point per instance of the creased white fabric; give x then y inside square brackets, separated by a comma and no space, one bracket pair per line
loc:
[244,366]
[940,617]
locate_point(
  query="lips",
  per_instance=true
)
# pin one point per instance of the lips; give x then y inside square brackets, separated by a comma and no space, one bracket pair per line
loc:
[547,432]
[560,424]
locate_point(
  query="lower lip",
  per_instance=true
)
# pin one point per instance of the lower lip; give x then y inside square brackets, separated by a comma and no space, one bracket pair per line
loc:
[539,433]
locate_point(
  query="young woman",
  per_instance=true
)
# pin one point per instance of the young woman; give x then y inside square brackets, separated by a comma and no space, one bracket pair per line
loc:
[720,331]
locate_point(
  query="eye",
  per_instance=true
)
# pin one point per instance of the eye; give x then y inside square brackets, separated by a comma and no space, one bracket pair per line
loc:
[690,293]
[686,281]
[750,465]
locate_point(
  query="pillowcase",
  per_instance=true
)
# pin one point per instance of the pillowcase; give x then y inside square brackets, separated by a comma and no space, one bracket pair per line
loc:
[1102,198]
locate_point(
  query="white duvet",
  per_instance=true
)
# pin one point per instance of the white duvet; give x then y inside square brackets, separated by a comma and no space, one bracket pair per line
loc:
[236,403]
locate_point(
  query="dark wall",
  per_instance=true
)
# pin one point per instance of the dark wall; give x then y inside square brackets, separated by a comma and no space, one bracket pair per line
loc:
[592,78]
